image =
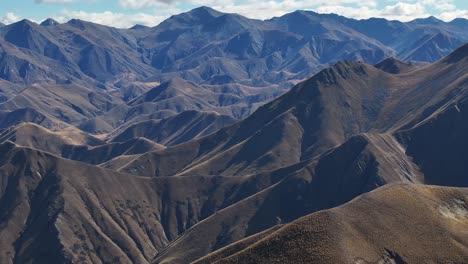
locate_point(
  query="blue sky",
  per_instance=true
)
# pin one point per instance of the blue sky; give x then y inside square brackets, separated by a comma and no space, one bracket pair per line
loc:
[126,13]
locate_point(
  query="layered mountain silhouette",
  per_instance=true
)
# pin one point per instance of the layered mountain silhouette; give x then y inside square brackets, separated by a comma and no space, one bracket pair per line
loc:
[240,62]
[318,114]
[185,142]
[289,183]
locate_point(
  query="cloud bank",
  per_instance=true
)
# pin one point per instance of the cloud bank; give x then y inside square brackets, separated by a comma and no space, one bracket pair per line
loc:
[152,12]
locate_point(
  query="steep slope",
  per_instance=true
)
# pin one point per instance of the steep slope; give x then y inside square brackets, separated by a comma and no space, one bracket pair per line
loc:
[69,196]
[272,136]
[21,115]
[318,114]
[237,45]
[36,136]
[176,96]
[235,64]
[394,66]
[68,103]
[49,22]
[369,230]
[177,129]
[204,45]
[439,144]
[85,49]
[28,35]
[358,166]
[74,144]
[85,213]
[430,47]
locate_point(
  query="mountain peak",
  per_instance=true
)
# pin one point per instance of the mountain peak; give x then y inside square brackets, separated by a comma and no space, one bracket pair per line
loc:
[431,20]
[204,15]
[204,10]
[340,70]
[49,22]
[76,23]
[25,22]
[200,14]
[394,66]
[138,26]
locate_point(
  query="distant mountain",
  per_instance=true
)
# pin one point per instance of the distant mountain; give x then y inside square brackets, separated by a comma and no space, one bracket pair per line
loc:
[460,22]
[237,62]
[430,47]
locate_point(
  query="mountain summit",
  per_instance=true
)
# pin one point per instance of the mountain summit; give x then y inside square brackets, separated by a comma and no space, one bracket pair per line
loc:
[49,22]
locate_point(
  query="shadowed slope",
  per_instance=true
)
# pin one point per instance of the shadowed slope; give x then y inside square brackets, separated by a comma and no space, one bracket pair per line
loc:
[86,213]
[21,115]
[318,114]
[394,66]
[358,166]
[68,103]
[74,144]
[368,230]
[176,129]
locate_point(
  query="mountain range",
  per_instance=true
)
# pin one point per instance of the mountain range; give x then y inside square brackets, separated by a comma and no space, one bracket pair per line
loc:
[231,63]
[215,138]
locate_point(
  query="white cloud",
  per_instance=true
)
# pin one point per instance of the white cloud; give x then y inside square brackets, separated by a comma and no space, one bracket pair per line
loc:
[118,20]
[139,4]
[404,11]
[440,5]
[9,18]
[399,11]
[54,1]
[269,9]
[152,12]
[261,8]
[451,15]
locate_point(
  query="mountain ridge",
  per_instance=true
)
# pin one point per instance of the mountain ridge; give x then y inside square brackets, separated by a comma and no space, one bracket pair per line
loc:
[185,142]
[241,62]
